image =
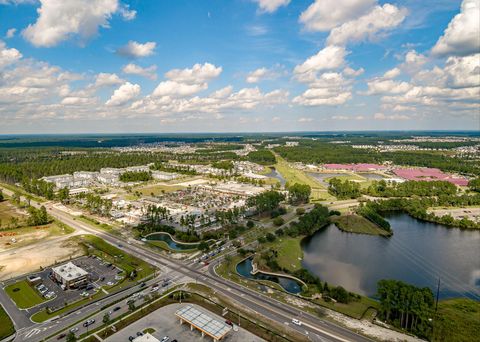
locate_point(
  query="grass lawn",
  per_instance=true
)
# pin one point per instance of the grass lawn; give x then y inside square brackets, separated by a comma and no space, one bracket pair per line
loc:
[293,176]
[158,189]
[92,221]
[352,223]
[123,260]
[290,253]
[458,320]
[24,295]
[6,324]
[163,245]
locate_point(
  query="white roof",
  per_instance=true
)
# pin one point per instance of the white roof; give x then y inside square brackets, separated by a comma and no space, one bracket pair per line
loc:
[69,271]
[204,322]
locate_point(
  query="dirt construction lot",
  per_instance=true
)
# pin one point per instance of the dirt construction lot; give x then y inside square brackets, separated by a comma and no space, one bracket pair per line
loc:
[30,258]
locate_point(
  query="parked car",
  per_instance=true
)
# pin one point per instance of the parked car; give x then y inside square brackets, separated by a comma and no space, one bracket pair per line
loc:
[139,333]
[63,335]
[89,322]
[229,322]
[131,338]
[155,288]
[165,339]
[74,330]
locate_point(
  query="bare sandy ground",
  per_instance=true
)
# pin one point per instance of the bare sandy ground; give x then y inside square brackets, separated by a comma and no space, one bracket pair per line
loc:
[30,258]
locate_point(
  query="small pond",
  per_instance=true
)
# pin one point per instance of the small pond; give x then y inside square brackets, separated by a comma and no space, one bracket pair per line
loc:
[170,242]
[275,174]
[245,268]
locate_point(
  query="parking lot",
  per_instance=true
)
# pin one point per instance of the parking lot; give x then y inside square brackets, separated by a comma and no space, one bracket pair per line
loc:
[166,323]
[100,274]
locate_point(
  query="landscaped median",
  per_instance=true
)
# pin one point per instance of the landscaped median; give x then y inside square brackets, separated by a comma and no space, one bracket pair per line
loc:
[24,295]
[6,324]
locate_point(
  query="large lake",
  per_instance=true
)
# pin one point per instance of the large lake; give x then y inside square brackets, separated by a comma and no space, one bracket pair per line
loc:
[418,253]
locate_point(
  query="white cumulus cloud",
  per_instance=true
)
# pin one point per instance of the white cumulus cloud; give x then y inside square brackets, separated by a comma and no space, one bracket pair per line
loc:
[135,49]
[324,15]
[59,20]
[271,6]
[462,36]
[368,26]
[134,69]
[8,55]
[105,79]
[331,57]
[199,73]
[125,93]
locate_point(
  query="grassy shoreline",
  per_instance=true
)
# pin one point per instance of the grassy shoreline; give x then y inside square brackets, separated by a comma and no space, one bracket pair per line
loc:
[352,223]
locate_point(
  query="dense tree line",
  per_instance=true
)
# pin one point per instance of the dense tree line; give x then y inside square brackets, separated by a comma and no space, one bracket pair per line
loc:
[372,215]
[266,202]
[417,207]
[343,189]
[223,165]
[1,195]
[310,222]
[182,169]
[474,184]
[136,176]
[411,188]
[262,157]
[299,193]
[39,187]
[406,306]
[322,151]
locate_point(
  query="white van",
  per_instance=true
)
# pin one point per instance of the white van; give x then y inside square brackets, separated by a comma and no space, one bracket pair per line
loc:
[296,322]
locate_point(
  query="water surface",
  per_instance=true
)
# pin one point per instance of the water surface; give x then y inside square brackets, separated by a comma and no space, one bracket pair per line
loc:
[418,253]
[172,244]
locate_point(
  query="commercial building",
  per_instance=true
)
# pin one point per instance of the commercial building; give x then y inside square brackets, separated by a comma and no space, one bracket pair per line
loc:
[207,325]
[70,275]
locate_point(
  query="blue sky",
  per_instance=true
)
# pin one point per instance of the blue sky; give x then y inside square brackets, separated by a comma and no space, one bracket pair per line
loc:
[239,65]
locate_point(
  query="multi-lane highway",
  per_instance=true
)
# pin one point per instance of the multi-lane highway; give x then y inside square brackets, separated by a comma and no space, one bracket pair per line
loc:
[313,327]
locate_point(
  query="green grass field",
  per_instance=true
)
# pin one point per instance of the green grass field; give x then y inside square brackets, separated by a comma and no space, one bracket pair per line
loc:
[6,324]
[292,176]
[458,320]
[352,223]
[7,212]
[159,189]
[24,295]
[290,253]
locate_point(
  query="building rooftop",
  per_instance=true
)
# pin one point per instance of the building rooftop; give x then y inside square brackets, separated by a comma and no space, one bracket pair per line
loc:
[69,271]
[203,322]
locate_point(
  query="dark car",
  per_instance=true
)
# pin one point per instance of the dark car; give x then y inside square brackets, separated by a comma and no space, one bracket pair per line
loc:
[229,322]
[116,308]
[143,285]
[131,338]
[139,333]
[59,337]
[89,322]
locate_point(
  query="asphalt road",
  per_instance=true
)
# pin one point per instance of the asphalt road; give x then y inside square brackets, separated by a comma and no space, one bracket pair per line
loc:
[315,328]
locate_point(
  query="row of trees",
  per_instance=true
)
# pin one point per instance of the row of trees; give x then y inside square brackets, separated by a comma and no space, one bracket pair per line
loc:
[406,306]
[262,157]
[182,169]
[96,204]
[343,189]
[411,188]
[371,214]
[37,217]
[39,187]
[310,222]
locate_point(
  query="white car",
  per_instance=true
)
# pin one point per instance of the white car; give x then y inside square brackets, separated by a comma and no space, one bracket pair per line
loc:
[296,322]
[165,339]
[155,288]
[110,283]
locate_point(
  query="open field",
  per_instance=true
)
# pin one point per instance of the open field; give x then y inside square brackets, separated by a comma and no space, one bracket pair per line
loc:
[472,213]
[290,253]
[25,236]
[352,223]
[457,320]
[24,295]
[293,176]
[9,211]
[30,258]
[6,324]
